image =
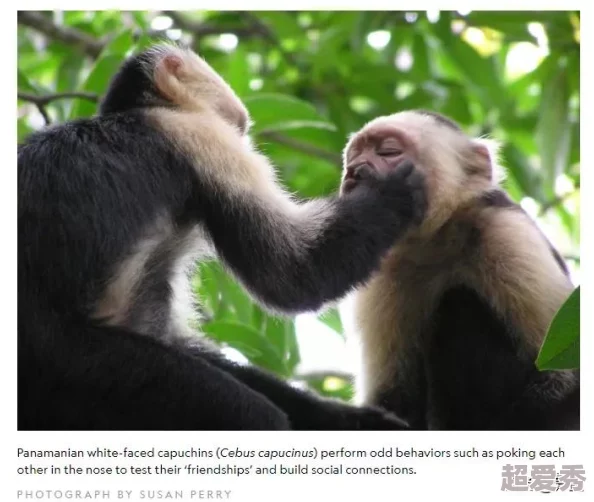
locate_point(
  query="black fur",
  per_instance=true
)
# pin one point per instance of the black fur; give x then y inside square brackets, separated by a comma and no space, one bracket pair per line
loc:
[477,378]
[88,190]
[345,253]
[559,259]
[468,374]
[132,87]
[499,199]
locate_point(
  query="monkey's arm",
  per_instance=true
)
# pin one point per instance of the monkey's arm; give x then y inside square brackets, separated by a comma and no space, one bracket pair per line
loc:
[296,258]
[478,379]
[305,410]
[148,387]
[473,371]
[481,362]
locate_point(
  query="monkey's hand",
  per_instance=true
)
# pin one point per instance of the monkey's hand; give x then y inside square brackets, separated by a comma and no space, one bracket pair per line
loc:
[371,418]
[342,416]
[401,191]
[330,414]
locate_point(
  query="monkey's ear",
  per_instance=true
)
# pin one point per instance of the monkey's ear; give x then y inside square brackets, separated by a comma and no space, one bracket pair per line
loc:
[168,74]
[172,64]
[485,156]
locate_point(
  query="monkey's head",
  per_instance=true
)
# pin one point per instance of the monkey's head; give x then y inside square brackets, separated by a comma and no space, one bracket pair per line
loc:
[457,168]
[170,75]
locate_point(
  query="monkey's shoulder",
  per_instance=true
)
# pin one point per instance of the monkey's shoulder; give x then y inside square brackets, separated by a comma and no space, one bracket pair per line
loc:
[102,129]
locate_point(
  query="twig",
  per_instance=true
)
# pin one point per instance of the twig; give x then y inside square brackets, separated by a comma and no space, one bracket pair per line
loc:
[39,22]
[42,101]
[44,114]
[301,146]
[48,98]
[557,201]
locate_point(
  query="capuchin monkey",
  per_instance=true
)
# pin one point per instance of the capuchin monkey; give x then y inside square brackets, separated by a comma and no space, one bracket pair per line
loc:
[451,325]
[113,213]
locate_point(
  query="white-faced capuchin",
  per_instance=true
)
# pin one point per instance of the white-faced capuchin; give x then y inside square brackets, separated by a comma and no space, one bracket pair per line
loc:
[451,325]
[113,213]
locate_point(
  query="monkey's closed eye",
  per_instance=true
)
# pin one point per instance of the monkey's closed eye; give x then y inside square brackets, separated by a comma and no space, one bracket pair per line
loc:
[389,152]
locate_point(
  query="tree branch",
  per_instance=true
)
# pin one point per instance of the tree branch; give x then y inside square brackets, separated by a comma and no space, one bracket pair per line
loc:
[70,36]
[256,28]
[42,101]
[200,29]
[48,98]
[264,30]
[301,146]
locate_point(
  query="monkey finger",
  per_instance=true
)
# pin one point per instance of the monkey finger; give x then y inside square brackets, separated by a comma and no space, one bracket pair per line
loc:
[419,196]
[406,169]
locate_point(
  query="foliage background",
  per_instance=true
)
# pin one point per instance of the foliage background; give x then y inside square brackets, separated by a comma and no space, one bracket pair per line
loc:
[311,78]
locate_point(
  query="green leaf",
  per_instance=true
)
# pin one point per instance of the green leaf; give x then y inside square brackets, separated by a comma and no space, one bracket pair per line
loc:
[276,333]
[575,154]
[224,296]
[283,24]
[24,84]
[23,130]
[277,112]
[573,69]
[293,355]
[362,26]
[456,106]
[302,173]
[258,318]
[68,77]
[237,72]
[120,44]
[141,19]
[74,17]
[332,40]
[205,287]
[553,132]
[69,72]
[570,222]
[331,318]
[105,67]
[523,173]
[144,42]
[421,63]
[250,342]
[480,72]
[514,26]
[97,82]
[544,71]
[561,348]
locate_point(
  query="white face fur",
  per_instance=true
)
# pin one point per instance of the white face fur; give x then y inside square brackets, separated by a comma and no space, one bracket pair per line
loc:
[456,167]
[188,81]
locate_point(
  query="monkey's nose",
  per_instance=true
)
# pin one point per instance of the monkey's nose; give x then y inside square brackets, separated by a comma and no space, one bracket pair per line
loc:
[352,170]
